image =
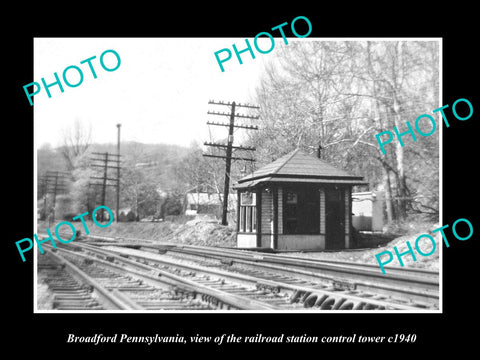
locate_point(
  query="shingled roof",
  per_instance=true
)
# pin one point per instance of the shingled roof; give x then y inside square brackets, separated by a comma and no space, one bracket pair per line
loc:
[299,166]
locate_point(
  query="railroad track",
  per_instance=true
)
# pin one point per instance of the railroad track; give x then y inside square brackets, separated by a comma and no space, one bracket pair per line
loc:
[81,283]
[237,291]
[422,275]
[68,293]
[416,286]
[266,281]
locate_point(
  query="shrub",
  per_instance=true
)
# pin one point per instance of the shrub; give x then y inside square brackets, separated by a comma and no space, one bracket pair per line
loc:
[131,216]
[122,217]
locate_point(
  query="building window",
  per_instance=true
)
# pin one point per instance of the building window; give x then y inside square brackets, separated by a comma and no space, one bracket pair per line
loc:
[301,211]
[248,212]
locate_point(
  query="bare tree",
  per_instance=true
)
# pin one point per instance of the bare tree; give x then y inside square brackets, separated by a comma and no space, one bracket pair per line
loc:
[339,95]
[76,141]
[401,87]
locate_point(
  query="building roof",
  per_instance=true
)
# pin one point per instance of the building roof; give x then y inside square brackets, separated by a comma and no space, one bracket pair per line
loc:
[299,166]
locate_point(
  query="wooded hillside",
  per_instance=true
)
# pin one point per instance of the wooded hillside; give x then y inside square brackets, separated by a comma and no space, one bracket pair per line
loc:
[148,178]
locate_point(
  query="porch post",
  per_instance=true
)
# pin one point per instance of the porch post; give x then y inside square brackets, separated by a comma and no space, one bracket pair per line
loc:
[238,210]
[275,216]
[258,205]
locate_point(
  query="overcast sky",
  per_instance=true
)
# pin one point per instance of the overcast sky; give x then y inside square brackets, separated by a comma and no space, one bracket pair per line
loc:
[159,93]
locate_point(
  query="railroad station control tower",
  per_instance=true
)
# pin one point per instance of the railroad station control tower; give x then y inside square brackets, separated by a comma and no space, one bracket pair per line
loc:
[297,202]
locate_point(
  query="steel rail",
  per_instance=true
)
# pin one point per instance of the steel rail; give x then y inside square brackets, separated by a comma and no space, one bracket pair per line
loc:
[106,296]
[420,275]
[260,282]
[393,272]
[229,299]
[423,288]
[428,295]
[347,271]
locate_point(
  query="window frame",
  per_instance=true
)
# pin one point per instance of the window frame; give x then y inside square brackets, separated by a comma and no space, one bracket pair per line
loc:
[248,213]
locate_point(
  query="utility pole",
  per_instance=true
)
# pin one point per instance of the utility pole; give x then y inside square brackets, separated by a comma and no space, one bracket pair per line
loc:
[104,187]
[118,173]
[228,166]
[43,192]
[229,146]
[104,158]
[53,182]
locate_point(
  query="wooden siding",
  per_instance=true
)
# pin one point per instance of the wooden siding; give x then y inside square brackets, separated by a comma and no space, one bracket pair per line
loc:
[301,242]
[267,212]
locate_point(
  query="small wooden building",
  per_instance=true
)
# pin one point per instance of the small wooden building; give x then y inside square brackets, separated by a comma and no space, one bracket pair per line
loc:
[298,202]
[206,203]
[367,210]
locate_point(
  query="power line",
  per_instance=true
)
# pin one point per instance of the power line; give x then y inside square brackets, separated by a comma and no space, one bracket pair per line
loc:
[229,146]
[250,127]
[233,157]
[106,158]
[118,174]
[53,182]
[226,145]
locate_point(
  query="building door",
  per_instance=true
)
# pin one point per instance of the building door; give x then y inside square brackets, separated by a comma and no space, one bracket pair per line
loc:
[301,210]
[334,219]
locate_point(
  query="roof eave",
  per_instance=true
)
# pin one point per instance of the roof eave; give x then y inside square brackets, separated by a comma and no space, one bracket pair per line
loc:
[351,181]
[300,176]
